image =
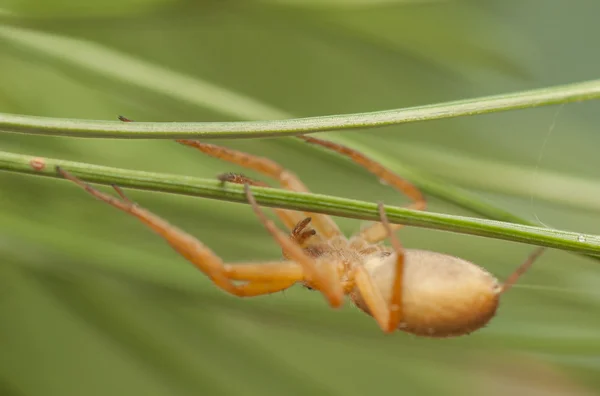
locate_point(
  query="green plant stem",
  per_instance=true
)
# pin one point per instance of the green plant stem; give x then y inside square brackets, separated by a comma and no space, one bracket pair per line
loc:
[318,203]
[277,128]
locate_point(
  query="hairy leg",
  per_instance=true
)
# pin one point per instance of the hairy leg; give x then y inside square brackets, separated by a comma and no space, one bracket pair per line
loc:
[264,272]
[514,277]
[323,278]
[324,224]
[375,232]
[388,314]
[260,280]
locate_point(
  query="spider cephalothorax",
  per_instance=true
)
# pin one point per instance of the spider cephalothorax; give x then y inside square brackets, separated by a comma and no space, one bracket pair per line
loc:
[420,292]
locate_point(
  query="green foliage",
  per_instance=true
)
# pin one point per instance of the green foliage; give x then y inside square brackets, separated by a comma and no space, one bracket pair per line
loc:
[92,303]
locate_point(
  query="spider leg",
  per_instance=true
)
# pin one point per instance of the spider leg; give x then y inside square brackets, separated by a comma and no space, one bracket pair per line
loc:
[299,234]
[253,289]
[272,278]
[240,179]
[388,314]
[376,232]
[396,298]
[323,278]
[514,277]
[373,299]
[324,224]
[264,272]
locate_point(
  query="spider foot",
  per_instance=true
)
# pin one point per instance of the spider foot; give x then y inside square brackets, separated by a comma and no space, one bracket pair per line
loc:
[239,178]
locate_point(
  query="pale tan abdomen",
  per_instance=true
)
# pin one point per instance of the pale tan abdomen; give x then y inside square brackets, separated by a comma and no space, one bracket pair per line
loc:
[443,296]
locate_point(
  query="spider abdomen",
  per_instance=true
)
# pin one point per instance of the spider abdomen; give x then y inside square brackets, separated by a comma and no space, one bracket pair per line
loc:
[443,296]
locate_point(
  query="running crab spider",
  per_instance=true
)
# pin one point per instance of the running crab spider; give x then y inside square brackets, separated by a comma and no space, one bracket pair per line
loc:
[420,292]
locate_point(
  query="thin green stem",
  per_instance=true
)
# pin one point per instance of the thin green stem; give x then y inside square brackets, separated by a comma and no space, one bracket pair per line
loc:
[277,128]
[271,197]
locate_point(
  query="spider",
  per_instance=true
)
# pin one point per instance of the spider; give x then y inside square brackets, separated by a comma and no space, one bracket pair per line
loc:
[416,291]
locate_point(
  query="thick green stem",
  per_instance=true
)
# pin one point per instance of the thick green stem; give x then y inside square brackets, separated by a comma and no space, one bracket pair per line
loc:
[186,185]
[277,128]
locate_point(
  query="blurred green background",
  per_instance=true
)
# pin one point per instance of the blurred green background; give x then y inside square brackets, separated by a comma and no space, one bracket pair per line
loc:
[92,303]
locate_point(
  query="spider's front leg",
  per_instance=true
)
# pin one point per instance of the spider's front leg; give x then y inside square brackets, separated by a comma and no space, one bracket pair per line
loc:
[288,180]
[324,224]
[260,278]
[375,232]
